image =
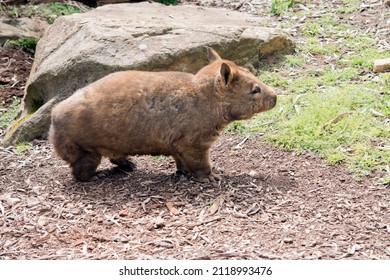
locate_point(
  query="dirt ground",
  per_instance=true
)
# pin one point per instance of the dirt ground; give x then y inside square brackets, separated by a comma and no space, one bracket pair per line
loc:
[15,65]
[271,204]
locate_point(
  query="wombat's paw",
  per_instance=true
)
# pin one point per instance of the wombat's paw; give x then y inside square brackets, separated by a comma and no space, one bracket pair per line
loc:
[124,164]
[83,176]
[212,178]
[180,175]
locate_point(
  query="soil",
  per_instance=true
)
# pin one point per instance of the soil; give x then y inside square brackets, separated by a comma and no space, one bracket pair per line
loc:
[15,66]
[270,204]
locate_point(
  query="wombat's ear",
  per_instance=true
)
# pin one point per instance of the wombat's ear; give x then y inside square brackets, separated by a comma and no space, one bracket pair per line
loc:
[212,55]
[226,73]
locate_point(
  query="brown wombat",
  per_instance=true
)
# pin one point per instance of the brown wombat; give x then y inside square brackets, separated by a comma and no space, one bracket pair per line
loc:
[156,113]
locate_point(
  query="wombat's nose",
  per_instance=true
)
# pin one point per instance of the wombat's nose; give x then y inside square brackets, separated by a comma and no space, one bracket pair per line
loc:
[271,99]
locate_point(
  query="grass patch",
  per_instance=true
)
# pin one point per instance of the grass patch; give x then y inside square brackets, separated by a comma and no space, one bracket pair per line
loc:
[330,101]
[279,7]
[237,126]
[9,114]
[23,147]
[49,11]
[314,46]
[27,44]
[158,158]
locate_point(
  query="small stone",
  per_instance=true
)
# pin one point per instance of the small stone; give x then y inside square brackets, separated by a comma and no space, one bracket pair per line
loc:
[382,65]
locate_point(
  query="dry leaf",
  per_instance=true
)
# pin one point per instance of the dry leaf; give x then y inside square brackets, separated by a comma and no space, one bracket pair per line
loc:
[42,221]
[124,213]
[216,205]
[172,208]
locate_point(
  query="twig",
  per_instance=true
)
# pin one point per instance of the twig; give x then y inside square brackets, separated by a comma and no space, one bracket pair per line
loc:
[205,222]
[239,145]
[336,119]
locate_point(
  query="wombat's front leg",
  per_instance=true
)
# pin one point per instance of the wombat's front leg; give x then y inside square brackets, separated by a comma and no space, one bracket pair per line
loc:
[197,163]
[124,164]
[85,166]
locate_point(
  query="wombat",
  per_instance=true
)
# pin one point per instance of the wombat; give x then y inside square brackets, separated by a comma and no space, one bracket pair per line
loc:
[156,113]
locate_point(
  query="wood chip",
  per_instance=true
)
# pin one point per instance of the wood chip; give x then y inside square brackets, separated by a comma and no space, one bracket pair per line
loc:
[217,204]
[124,213]
[172,209]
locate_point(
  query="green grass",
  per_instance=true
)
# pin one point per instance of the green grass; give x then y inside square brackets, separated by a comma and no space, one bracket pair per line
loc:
[49,11]
[237,126]
[158,158]
[330,102]
[23,147]
[279,7]
[7,115]
[27,44]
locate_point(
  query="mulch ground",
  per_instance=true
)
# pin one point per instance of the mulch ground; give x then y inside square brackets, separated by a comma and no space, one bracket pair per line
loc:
[271,204]
[15,66]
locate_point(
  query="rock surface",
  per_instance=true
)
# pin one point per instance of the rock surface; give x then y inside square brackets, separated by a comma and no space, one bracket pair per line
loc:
[79,49]
[382,65]
[17,28]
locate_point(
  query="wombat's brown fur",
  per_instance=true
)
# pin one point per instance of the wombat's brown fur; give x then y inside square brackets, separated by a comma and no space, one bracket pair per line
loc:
[156,113]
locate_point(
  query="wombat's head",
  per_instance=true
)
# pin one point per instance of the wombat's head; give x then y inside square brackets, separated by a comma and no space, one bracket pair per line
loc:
[241,92]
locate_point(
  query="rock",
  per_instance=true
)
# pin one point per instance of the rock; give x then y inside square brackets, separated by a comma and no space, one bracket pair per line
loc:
[81,48]
[382,65]
[17,28]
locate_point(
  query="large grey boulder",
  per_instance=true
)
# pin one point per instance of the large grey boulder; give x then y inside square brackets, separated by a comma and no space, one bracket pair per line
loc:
[18,28]
[81,48]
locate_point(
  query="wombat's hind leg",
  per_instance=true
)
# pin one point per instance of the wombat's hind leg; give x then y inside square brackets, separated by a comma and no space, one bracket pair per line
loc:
[85,166]
[124,164]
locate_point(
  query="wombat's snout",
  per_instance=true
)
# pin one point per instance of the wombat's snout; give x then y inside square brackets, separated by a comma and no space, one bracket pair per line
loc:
[271,99]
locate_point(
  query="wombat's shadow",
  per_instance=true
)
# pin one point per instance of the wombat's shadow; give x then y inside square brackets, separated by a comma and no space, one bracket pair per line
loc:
[120,187]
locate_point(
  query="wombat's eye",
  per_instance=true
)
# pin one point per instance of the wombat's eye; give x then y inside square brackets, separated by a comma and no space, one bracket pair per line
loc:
[256,90]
